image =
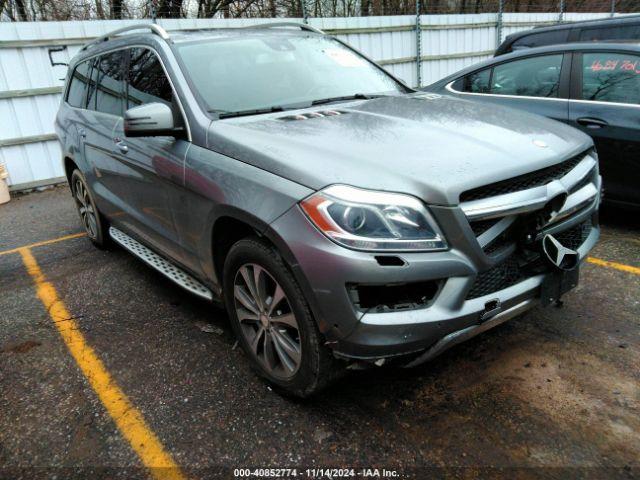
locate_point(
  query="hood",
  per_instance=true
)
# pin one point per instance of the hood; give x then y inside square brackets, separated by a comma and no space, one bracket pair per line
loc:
[433,147]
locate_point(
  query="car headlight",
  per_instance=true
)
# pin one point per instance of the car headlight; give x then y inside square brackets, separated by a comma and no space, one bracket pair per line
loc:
[373,221]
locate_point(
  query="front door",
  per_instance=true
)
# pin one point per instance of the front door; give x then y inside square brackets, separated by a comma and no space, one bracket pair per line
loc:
[537,84]
[154,165]
[605,104]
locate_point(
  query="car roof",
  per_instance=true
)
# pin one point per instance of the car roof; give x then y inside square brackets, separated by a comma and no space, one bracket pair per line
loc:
[221,33]
[633,47]
[598,22]
[116,39]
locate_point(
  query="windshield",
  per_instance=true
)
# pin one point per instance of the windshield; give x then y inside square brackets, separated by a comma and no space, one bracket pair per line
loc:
[262,72]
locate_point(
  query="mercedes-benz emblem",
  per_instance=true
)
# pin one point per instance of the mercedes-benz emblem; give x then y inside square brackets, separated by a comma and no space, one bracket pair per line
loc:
[562,257]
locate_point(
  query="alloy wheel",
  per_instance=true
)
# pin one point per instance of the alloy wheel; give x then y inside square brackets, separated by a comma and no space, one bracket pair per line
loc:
[267,321]
[86,209]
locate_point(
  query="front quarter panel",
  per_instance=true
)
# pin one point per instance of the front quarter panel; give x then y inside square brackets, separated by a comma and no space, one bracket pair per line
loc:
[218,186]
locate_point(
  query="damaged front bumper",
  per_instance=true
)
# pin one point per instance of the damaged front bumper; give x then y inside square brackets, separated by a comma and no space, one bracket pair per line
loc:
[412,334]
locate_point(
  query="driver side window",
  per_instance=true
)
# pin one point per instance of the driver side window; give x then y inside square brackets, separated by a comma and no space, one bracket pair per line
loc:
[530,77]
[146,80]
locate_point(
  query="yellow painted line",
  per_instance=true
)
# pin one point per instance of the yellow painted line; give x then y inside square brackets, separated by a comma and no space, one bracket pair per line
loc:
[45,242]
[618,266]
[128,419]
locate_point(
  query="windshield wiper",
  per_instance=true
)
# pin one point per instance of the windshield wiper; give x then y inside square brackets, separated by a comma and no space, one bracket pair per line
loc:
[255,111]
[293,106]
[355,96]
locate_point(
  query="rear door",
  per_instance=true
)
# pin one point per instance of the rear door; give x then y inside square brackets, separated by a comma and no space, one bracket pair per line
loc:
[538,84]
[105,99]
[77,99]
[605,104]
[152,168]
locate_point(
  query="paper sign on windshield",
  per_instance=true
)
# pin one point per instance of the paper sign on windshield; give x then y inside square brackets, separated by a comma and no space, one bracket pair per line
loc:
[344,58]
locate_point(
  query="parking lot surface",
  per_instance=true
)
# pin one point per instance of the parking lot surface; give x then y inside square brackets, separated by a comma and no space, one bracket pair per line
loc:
[554,393]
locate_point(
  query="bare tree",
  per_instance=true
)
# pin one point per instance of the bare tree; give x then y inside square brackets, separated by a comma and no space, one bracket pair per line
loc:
[22,11]
[170,9]
[99,9]
[116,9]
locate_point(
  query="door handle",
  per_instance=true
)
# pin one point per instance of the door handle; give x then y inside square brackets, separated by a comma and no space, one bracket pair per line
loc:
[591,122]
[83,133]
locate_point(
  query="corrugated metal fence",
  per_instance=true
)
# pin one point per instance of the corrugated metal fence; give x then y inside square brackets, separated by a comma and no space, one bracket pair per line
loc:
[30,87]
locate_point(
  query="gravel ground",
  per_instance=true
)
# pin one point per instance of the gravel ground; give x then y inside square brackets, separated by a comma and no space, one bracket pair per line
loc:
[554,393]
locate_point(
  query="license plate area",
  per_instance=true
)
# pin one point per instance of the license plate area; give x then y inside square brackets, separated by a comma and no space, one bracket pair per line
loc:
[557,283]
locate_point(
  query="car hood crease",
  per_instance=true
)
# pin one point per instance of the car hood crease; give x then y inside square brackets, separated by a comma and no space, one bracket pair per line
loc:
[434,147]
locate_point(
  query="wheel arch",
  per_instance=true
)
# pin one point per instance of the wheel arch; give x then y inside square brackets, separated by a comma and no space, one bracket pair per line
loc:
[228,229]
[69,166]
[241,224]
[72,159]
[232,224]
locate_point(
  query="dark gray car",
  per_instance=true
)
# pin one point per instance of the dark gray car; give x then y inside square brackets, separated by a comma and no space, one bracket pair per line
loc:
[340,217]
[592,87]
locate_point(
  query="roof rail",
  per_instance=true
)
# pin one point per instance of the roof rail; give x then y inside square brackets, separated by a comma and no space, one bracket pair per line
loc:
[301,26]
[571,23]
[155,28]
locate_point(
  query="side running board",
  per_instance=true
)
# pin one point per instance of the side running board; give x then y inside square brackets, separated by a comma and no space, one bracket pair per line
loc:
[165,267]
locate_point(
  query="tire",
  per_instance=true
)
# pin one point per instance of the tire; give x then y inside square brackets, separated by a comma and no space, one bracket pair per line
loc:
[287,325]
[95,225]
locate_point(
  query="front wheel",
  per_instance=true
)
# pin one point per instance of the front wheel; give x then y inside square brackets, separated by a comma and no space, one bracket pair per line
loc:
[94,224]
[272,320]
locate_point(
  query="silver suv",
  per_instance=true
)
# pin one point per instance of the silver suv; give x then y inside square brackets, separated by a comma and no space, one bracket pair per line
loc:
[341,217]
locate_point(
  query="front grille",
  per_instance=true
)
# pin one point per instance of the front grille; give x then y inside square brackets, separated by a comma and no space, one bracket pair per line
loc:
[588,178]
[481,226]
[499,245]
[575,237]
[523,182]
[524,263]
[502,276]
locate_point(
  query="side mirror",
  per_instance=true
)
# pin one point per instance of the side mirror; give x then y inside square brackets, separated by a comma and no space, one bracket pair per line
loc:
[150,120]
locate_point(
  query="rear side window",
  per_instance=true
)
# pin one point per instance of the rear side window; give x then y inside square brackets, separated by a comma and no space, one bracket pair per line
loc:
[147,82]
[78,84]
[540,39]
[531,77]
[611,77]
[620,32]
[107,92]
